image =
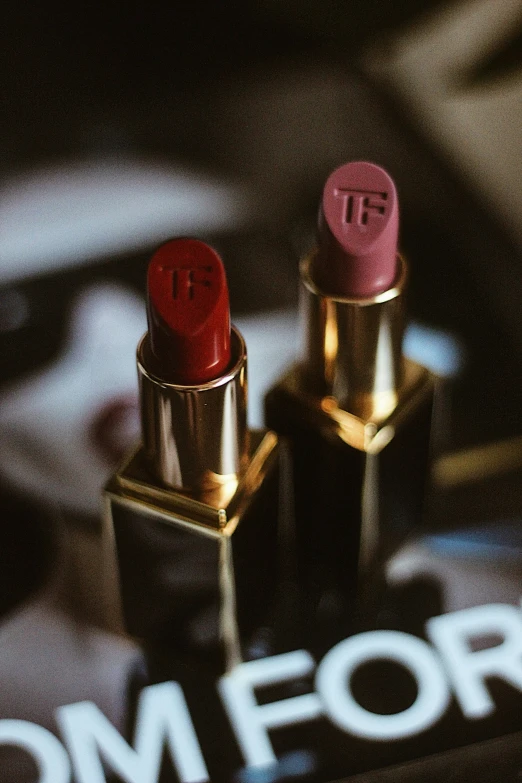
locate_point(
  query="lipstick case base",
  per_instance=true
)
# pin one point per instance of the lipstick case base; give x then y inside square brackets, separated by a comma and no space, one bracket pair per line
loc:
[198,573]
[359,491]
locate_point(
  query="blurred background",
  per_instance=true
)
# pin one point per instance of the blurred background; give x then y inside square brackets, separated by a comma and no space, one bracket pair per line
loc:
[122,127]
[119,130]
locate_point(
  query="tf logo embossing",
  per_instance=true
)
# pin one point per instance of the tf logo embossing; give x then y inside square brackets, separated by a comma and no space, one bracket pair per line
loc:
[361,206]
[184,280]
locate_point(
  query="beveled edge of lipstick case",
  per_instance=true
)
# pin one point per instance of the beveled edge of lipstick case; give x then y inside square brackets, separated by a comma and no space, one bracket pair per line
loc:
[198,573]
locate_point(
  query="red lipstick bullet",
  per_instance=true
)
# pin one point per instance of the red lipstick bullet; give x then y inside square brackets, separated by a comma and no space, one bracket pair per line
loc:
[188,312]
[356,413]
[194,511]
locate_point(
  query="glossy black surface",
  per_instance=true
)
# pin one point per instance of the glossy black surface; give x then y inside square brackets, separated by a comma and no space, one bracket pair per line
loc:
[330,489]
[174,576]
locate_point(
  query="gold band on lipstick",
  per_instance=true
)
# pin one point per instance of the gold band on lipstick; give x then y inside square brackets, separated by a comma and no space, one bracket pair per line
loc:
[353,347]
[195,437]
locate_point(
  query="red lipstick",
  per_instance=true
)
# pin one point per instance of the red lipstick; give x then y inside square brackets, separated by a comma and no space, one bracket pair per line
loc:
[356,413]
[194,511]
[188,312]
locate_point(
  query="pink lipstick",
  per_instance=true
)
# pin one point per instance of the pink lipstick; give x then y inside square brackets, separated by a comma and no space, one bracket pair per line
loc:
[356,413]
[194,511]
[358,228]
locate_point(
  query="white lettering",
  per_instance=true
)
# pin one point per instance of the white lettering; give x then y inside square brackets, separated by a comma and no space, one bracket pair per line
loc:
[163,719]
[339,664]
[251,720]
[452,633]
[48,752]
[162,716]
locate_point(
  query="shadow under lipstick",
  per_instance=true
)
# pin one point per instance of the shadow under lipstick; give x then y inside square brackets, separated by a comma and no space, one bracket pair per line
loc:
[356,413]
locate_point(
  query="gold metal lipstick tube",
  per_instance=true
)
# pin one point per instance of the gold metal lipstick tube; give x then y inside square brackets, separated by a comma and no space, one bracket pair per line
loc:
[357,416]
[353,347]
[194,515]
[195,438]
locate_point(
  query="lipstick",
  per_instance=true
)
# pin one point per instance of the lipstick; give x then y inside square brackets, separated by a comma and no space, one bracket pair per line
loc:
[188,313]
[193,512]
[357,414]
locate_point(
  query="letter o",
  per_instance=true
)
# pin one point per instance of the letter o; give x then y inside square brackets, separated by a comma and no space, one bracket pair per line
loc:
[338,665]
[48,752]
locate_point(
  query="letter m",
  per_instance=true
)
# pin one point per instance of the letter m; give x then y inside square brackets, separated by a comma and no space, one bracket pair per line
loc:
[162,720]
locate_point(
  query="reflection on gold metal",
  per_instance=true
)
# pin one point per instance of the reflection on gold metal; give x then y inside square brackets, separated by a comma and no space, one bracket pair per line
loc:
[331,345]
[353,347]
[195,437]
[365,433]
[479,463]
[381,439]
[370,517]
[216,509]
